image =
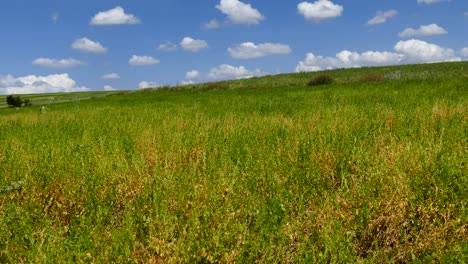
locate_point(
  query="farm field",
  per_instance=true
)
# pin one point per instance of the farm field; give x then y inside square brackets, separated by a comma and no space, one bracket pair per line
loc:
[370,169]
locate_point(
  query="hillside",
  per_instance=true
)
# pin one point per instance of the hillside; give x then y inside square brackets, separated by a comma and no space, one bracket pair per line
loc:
[371,168]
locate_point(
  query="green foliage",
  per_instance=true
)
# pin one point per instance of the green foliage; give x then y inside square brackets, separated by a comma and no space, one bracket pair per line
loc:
[14,101]
[265,170]
[322,79]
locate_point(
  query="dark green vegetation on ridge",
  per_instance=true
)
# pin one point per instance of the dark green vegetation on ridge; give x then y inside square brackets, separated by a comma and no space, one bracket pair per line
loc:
[370,169]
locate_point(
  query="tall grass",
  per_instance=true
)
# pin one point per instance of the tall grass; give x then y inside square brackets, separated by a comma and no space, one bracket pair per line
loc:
[348,172]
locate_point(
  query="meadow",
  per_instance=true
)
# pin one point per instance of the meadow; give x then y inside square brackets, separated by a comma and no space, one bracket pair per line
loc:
[369,169]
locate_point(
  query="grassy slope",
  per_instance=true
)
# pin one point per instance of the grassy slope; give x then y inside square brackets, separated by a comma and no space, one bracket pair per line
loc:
[354,171]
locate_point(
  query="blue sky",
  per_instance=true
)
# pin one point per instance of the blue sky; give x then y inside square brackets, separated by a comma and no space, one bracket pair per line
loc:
[64,46]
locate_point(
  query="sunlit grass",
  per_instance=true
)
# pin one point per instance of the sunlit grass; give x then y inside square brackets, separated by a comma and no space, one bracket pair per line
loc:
[355,171]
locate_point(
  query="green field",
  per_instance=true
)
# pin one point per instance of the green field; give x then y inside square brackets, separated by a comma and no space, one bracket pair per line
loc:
[371,169]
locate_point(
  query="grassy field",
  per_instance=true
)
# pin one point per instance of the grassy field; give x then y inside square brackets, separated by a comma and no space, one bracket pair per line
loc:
[370,169]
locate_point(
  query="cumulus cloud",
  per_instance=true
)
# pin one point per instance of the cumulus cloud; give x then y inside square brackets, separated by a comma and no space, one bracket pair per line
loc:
[56,63]
[212,24]
[30,84]
[136,60]
[226,71]
[109,88]
[111,76]
[167,46]
[382,16]
[347,59]
[320,10]
[87,45]
[430,1]
[193,74]
[410,51]
[115,16]
[423,31]
[147,84]
[193,45]
[249,50]
[415,51]
[239,12]
[464,52]
[221,72]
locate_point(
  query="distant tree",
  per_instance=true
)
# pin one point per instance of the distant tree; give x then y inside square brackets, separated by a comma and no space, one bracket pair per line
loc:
[15,101]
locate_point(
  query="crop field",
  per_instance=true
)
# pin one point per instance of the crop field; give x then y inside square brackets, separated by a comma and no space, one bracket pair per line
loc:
[370,169]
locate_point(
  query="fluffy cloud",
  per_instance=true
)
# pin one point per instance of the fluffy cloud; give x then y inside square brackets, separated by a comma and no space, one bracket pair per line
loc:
[249,50]
[422,31]
[430,1]
[213,24]
[115,16]
[222,72]
[55,63]
[415,51]
[142,60]
[382,16]
[347,59]
[464,52]
[319,10]
[167,46]
[147,84]
[111,76]
[109,88]
[226,71]
[193,45]
[239,12]
[410,51]
[39,84]
[87,45]
[193,74]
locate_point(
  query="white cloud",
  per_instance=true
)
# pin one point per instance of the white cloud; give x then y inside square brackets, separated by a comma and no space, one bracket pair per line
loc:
[225,71]
[431,1]
[186,82]
[239,12]
[416,51]
[466,13]
[319,10]
[222,72]
[382,16]
[167,46]
[115,16]
[213,24]
[193,74]
[142,60]
[410,51]
[109,88]
[249,50]
[464,52]
[347,59]
[39,84]
[147,84]
[111,76]
[87,45]
[422,31]
[55,63]
[193,45]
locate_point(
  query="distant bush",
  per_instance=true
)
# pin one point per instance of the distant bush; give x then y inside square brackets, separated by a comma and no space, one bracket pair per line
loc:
[321,80]
[16,101]
[372,77]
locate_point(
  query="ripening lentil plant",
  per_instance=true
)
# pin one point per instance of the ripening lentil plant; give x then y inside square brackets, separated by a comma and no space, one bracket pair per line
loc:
[371,167]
